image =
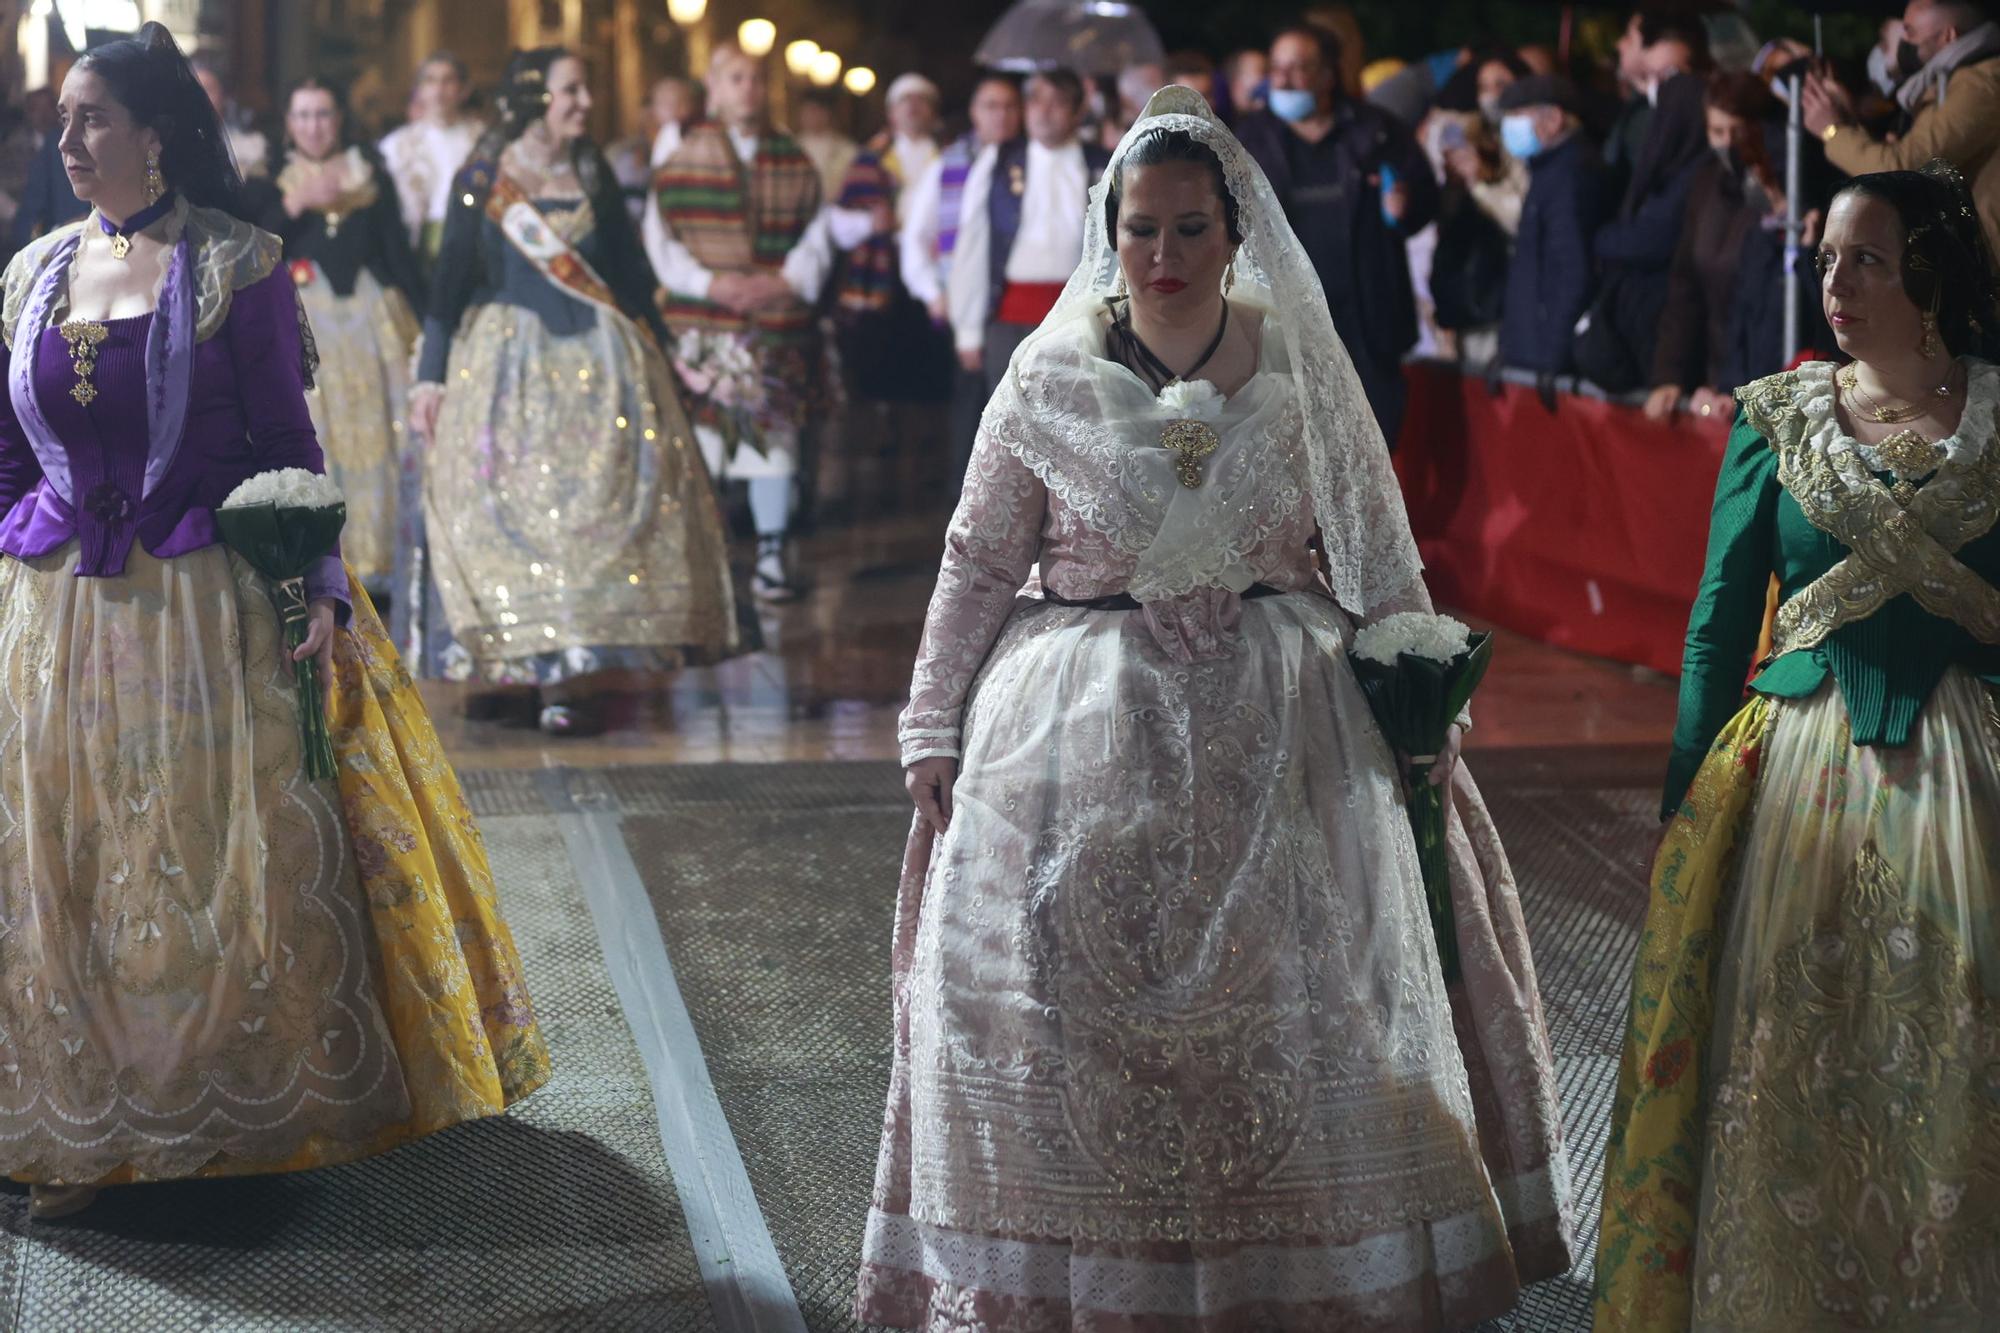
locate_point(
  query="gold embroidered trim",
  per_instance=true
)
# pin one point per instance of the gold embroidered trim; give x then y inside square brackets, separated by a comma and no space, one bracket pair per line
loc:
[1899,541]
[1857,1114]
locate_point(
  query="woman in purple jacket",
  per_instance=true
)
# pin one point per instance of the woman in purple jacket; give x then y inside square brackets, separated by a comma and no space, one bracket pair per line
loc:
[197,943]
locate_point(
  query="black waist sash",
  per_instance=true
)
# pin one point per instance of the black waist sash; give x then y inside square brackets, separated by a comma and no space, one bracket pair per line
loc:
[1125,601]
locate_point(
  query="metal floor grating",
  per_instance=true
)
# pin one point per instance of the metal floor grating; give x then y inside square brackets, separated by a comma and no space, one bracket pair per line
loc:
[562,1216]
[774,885]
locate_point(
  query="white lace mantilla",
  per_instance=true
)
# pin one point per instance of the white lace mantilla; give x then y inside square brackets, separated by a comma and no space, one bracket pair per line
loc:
[1044,410]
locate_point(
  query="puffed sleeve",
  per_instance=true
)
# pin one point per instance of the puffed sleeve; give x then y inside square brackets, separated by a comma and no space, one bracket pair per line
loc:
[20,470]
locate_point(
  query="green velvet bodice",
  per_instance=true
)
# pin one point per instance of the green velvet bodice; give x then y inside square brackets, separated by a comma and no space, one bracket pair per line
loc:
[1885,664]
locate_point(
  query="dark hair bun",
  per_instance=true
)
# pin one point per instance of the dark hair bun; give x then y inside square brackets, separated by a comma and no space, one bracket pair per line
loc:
[151,78]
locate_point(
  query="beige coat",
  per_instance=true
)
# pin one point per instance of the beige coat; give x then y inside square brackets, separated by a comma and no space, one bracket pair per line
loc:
[1965,132]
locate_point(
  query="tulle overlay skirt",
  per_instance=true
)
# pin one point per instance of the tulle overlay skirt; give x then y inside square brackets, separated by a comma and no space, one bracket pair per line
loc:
[208,964]
[572,525]
[363,382]
[1172,1046]
[1808,1133]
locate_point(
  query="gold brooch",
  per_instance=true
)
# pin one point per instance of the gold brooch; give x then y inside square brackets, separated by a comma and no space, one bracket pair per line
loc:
[1192,441]
[83,338]
[1909,455]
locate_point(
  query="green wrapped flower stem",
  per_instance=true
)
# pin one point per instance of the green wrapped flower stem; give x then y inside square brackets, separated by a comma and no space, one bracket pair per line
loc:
[1427,823]
[283,543]
[1415,702]
[295,611]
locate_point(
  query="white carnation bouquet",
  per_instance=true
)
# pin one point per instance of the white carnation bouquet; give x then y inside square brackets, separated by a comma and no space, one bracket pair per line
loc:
[283,523]
[1418,672]
[721,372]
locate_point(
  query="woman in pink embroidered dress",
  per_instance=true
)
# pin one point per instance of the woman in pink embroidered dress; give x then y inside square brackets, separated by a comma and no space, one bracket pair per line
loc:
[1173,1049]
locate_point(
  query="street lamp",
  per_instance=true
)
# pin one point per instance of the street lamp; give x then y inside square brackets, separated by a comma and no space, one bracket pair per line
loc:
[800,56]
[860,80]
[825,70]
[687,13]
[757,37]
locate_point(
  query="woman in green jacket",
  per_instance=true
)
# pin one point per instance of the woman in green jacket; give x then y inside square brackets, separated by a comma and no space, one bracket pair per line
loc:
[1807,1128]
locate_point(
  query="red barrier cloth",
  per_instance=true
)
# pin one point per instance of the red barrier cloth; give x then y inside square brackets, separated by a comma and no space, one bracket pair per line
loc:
[1584,528]
[1027,302]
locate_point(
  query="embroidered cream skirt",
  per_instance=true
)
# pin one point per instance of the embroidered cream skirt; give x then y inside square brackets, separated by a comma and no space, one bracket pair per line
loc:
[208,964]
[572,525]
[357,408]
[1173,1048]
[1852,1169]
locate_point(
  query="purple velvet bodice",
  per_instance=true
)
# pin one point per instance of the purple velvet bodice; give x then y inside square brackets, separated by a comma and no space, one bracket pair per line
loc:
[177,424]
[105,441]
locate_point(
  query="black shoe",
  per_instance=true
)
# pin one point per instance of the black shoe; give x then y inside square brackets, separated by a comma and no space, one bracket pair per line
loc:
[772,579]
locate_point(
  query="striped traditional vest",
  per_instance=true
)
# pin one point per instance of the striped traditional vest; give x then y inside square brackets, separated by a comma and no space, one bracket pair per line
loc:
[735,219]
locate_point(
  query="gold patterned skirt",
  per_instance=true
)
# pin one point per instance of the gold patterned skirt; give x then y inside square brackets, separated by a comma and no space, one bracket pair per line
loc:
[208,964]
[572,525]
[357,407]
[1807,1134]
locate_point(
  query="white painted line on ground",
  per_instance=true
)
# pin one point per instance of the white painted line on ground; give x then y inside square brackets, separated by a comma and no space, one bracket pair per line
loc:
[745,1277]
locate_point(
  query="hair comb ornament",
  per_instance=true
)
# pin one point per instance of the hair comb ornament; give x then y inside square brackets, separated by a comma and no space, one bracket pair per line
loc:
[528,76]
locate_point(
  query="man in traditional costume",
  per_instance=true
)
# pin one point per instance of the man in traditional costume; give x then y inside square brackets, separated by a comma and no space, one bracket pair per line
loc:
[742,242]
[425,154]
[816,127]
[1021,229]
[931,212]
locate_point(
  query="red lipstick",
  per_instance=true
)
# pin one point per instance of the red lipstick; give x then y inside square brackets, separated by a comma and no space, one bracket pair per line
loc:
[1168,286]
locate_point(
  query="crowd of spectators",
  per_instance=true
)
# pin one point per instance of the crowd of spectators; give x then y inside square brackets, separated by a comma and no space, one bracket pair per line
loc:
[1625,225]
[1504,207]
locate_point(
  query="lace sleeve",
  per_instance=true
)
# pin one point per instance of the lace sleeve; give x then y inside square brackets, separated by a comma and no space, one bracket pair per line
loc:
[988,552]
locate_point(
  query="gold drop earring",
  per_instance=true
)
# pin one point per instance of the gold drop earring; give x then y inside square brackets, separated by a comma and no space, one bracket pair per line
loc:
[1229,278]
[156,184]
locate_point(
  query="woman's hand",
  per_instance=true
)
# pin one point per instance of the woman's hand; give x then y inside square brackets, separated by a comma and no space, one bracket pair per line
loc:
[1662,402]
[930,782]
[1447,760]
[425,399]
[319,638]
[1709,403]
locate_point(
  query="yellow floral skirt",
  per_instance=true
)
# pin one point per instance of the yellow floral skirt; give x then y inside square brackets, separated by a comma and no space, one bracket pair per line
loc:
[208,964]
[1807,1128]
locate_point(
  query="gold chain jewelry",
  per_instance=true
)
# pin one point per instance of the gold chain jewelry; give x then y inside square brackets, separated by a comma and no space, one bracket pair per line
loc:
[156,184]
[1850,380]
[83,338]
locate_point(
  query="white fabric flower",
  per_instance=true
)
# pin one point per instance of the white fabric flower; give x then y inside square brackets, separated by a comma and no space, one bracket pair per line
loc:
[287,488]
[1439,638]
[1192,400]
